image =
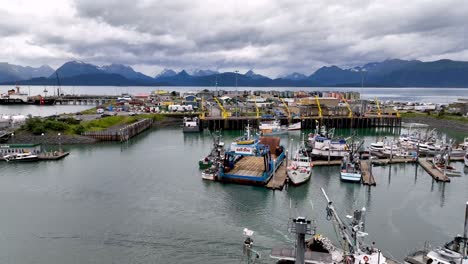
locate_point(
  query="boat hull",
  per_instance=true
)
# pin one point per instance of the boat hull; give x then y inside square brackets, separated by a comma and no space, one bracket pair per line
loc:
[350,177]
[297,178]
[192,129]
[209,176]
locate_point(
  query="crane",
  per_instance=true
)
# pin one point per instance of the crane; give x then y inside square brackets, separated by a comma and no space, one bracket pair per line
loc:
[285,107]
[379,111]
[318,105]
[224,113]
[256,109]
[350,113]
[202,112]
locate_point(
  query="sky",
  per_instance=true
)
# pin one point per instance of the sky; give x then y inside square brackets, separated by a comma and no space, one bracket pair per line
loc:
[271,37]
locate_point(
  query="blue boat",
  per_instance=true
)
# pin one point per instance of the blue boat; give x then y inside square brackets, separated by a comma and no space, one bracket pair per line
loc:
[252,160]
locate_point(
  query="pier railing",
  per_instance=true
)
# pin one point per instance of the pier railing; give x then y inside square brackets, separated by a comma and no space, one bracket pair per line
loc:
[123,133]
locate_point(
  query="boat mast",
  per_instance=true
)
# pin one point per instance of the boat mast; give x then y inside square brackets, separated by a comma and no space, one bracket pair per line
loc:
[331,212]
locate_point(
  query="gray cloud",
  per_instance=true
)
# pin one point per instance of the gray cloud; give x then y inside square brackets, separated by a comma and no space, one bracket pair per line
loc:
[272,37]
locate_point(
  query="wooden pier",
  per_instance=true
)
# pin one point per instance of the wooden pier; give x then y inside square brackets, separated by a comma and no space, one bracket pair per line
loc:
[366,173]
[309,122]
[436,174]
[52,155]
[278,180]
[326,162]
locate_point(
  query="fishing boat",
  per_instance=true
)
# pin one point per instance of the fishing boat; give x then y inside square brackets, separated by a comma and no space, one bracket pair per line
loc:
[251,160]
[217,152]
[350,168]
[274,127]
[295,126]
[441,163]
[191,124]
[21,157]
[465,143]
[300,168]
[453,252]
[323,146]
[211,173]
[377,146]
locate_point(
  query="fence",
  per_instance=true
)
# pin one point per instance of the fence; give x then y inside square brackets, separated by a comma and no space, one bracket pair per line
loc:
[121,134]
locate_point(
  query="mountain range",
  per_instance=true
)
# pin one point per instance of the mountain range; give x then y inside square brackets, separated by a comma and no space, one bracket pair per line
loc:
[388,73]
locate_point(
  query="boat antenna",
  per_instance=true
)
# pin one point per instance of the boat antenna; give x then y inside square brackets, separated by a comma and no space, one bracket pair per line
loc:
[58,83]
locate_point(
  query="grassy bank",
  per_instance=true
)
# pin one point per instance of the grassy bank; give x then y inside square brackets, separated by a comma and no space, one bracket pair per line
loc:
[440,116]
[71,126]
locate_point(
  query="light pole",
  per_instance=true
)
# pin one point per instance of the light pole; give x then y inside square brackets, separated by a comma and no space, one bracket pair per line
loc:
[60,142]
[43,142]
[12,138]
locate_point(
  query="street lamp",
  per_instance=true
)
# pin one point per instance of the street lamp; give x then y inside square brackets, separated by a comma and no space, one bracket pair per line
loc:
[43,142]
[60,142]
[12,138]
[237,95]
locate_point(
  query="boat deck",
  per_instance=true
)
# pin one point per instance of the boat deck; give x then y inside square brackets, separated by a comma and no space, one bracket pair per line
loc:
[249,166]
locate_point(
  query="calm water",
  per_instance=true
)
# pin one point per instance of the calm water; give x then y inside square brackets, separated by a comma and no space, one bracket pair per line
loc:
[144,202]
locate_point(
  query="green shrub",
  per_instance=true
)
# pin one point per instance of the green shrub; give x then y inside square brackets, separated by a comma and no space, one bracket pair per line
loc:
[38,129]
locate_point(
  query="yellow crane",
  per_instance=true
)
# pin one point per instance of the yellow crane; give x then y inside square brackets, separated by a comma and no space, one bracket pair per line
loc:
[224,113]
[350,112]
[202,113]
[319,107]
[379,111]
[256,109]
[285,107]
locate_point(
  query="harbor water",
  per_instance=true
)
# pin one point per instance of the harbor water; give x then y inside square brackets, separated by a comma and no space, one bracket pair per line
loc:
[144,202]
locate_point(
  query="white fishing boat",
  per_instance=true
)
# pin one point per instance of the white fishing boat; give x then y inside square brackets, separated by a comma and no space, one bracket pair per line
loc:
[350,169]
[441,163]
[295,126]
[377,146]
[269,128]
[300,169]
[21,157]
[210,174]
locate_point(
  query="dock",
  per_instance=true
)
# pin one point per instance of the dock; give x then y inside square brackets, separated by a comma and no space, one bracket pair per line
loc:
[326,162]
[436,174]
[366,173]
[393,161]
[53,155]
[278,180]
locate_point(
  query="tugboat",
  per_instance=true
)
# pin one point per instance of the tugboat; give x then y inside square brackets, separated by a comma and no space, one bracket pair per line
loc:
[350,168]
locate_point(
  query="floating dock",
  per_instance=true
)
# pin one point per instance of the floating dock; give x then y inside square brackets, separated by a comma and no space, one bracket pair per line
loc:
[326,162]
[366,173]
[53,156]
[436,174]
[278,180]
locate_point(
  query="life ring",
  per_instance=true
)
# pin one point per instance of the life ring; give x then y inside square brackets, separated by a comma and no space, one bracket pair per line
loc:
[366,259]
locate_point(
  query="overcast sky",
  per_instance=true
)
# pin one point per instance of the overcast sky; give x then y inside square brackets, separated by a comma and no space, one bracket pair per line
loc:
[271,37]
